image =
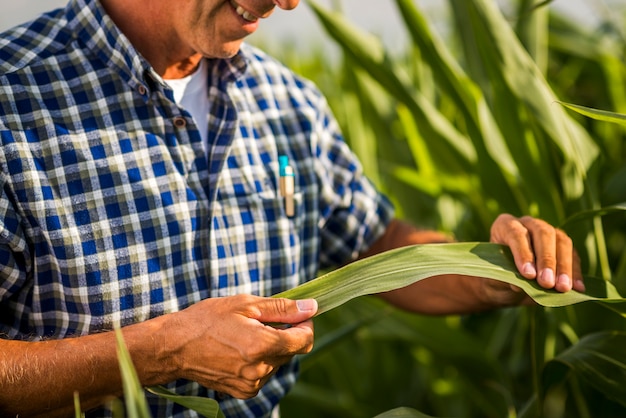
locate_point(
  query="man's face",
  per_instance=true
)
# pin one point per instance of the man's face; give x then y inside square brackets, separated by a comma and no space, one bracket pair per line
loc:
[216,28]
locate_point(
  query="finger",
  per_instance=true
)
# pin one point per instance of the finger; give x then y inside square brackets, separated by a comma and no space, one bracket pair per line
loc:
[250,388]
[579,284]
[564,261]
[509,231]
[288,342]
[543,238]
[301,332]
[284,311]
[266,378]
[257,371]
[281,344]
[241,388]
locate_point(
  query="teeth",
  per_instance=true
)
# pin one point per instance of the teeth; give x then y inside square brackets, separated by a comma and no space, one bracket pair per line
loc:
[244,13]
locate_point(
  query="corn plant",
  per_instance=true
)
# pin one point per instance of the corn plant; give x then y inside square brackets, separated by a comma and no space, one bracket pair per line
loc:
[135,404]
[457,131]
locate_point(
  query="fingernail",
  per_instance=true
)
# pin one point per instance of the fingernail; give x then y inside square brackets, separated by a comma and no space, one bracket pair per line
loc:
[307,305]
[529,270]
[580,285]
[547,277]
[564,280]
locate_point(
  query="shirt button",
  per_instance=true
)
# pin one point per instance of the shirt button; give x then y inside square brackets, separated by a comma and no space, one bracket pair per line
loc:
[142,89]
[180,122]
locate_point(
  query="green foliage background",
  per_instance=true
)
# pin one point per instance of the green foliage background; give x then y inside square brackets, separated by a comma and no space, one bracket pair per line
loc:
[456,131]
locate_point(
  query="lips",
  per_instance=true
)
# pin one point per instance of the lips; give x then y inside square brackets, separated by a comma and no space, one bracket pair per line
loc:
[246,15]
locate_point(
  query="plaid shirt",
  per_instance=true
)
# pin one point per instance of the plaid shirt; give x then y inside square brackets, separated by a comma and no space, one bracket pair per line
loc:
[111,213]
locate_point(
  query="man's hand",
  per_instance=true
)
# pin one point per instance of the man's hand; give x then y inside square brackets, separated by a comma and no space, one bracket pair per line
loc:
[541,252]
[225,344]
[222,343]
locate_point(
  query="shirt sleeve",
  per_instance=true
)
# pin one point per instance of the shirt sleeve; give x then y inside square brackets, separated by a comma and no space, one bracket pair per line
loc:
[14,256]
[354,214]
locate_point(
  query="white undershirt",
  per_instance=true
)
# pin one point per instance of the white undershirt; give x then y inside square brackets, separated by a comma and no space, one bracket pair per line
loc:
[191,93]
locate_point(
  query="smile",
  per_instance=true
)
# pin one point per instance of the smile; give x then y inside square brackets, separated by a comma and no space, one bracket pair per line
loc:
[243,12]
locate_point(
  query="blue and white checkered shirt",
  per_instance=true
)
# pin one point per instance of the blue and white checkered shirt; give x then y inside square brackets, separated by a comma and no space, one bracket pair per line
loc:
[111,213]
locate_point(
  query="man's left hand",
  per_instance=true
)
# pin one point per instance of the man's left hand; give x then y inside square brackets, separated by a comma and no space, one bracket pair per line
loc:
[541,252]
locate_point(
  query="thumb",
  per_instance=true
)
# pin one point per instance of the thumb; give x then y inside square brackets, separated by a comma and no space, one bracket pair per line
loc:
[286,311]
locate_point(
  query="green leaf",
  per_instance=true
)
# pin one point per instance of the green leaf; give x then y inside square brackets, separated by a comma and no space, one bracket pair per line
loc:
[403,413]
[368,52]
[77,410]
[588,214]
[465,92]
[204,406]
[508,62]
[328,341]
[596,114]
[403,266]
[599,359]
[136,404]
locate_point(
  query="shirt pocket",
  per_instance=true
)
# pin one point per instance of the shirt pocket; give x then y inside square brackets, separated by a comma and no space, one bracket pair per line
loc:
[255,247]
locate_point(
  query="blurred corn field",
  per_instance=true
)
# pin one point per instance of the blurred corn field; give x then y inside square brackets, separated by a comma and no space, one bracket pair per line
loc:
[457,129]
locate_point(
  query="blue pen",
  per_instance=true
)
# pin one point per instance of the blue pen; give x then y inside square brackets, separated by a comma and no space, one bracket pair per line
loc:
[287,184]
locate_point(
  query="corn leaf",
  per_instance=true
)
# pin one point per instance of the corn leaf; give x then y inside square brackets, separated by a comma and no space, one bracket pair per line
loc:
[454,346]
[327,341]
[597,114]
[135,400]
[598,358]
[403,266]
[205,406]
[77,410]
[523,77]
[588,214]
[136,404]
[327,399]
[483,129]
[402,413]
[368,52]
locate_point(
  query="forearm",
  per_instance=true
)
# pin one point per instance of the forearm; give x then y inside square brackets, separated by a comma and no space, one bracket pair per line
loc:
[40,378]
[400,234]
[446,294]
[221,343]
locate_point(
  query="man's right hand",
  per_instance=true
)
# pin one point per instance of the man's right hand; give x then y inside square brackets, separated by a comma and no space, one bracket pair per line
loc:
[224,343]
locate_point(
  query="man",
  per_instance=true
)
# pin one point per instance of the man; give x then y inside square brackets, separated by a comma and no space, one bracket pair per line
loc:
[140,188]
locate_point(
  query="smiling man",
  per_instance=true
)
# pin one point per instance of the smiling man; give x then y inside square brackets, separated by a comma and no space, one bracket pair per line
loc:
[143,148]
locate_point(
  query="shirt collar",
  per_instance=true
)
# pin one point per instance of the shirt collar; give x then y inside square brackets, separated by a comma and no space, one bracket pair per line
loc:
[88,20]
[92,26]
[234,68]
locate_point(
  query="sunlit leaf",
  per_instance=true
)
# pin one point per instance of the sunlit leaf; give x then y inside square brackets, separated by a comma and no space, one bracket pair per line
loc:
[403,266]
[135,400]
[602,115]
[368,53]
[403,413]
[495,158]
[206,406]
[77,410]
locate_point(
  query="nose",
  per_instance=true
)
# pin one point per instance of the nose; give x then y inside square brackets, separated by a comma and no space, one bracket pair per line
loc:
[287,4]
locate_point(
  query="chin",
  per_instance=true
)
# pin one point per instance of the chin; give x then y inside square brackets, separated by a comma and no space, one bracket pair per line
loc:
[228,50]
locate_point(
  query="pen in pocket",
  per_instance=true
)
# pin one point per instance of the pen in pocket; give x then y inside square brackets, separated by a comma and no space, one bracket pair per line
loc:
[287,184]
